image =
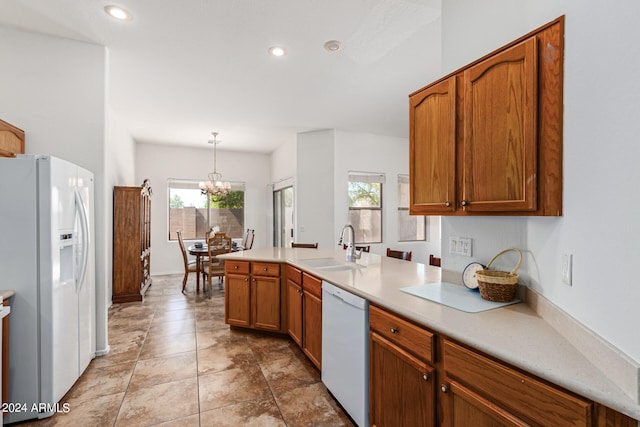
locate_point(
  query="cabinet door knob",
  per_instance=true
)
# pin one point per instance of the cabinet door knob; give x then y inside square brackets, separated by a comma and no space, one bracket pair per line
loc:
[235,267]
[265,269]
[246,279]
[425,377]
[394,330]
[464,203]
[447,203]
[444,388]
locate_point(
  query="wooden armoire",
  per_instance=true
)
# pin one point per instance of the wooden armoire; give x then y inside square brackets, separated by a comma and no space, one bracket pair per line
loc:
[131,242]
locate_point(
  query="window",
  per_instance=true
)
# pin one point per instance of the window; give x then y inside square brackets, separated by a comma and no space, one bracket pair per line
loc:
[365,206]
[191,212]
[410,227]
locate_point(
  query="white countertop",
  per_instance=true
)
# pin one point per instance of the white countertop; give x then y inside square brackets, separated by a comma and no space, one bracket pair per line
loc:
[514,334]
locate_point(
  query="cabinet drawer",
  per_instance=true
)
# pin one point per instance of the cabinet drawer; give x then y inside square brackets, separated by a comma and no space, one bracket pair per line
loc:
[265,269]
[312,284]
[518,392]
[294,274]
[405,334]
[237,267]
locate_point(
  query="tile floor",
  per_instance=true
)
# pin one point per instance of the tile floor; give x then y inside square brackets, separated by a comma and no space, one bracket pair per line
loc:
[174,362]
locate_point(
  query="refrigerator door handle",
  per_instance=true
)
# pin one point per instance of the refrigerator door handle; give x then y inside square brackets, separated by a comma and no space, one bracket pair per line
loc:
[82,214]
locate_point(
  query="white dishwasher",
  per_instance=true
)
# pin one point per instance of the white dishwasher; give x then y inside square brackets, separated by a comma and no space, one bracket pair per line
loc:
[345,350]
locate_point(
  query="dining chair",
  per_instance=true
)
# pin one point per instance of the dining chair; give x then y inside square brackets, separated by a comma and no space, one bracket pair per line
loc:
[305,245]
[399,254]
[435,261]
[247,240]
[189,266]
[214,267]
[363,248]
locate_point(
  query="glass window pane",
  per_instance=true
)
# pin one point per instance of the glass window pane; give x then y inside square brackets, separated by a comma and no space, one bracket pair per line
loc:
[188,211]
[410,227]
[367,224]
[364,194]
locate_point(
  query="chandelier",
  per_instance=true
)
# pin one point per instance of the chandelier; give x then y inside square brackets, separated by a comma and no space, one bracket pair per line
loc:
[214,185]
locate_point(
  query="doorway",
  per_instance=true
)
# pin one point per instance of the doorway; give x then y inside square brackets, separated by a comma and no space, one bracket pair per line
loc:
[283,217]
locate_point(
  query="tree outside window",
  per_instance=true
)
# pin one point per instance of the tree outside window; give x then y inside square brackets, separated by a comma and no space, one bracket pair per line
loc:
[365,206]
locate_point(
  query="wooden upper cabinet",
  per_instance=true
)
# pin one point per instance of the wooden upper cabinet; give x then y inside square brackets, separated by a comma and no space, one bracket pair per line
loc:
[433,149]
[500,114]
[11,140]
[487,139]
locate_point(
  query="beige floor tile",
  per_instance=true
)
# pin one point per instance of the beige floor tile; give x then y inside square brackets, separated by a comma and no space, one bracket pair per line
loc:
[159,403]
[222,357]
[160,345]
[287,373]
[190,421]
[172,315]
[173,327]
[165,369]
[210,337]
[310,406]
[101,381]
[263,413]
[232,386]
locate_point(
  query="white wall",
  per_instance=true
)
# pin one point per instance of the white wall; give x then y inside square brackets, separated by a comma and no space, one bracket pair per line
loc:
[159,163]
[313,189]
[600,224]
[54,89]
[374,153]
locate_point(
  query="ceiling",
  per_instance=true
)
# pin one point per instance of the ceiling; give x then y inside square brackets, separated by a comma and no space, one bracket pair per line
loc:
[182,69]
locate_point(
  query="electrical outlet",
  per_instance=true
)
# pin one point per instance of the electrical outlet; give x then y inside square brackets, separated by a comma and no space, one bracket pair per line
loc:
[453,245]
[567,266]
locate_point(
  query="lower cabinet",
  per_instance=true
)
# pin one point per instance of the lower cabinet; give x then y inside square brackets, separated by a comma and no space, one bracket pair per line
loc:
[420,379]
[482,391]
[253,295]
[401,379]
[312,318]
[304,295]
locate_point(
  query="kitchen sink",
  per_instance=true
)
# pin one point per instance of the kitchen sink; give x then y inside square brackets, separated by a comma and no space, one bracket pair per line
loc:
[349,266]
[322,262]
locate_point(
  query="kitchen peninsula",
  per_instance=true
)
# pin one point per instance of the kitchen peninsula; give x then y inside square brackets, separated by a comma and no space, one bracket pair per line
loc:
[514,337]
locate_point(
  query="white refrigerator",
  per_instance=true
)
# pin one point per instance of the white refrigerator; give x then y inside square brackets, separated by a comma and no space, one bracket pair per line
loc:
[47,255]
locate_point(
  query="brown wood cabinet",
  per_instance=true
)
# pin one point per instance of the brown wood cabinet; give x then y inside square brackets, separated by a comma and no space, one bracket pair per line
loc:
[294,299]
[11,140]
[418,378]
[481,391]
[304,295]
[131,242]
[253,295]
[487,139]
[312,318]
[401,377]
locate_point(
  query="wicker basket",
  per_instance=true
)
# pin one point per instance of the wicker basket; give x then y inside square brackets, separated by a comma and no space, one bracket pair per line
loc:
[496,285]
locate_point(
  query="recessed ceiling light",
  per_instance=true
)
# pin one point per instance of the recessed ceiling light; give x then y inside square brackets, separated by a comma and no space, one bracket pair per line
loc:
[333,46]
[118,13]
[277,51]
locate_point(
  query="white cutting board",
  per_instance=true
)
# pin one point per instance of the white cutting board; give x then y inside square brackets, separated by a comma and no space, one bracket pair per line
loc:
[455,296]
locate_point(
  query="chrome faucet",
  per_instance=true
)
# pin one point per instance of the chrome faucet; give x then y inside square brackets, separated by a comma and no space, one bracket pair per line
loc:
[352,254]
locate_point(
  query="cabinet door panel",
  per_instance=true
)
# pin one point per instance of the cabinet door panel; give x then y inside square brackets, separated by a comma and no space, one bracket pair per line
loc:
[312,338]
[237,300]
[500,146]
[432,139]
[294,298]
[464,408]
[265,299]
[401,387]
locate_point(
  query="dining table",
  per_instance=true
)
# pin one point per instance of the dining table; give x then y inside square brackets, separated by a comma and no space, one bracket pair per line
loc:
[200,251]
